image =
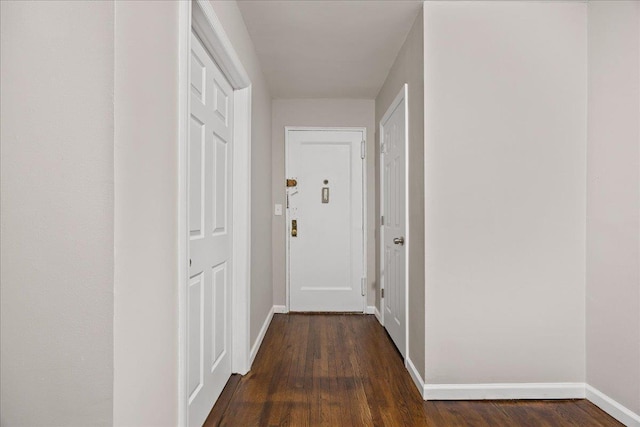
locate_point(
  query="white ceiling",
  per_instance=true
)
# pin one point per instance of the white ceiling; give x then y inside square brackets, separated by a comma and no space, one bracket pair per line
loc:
[327,49]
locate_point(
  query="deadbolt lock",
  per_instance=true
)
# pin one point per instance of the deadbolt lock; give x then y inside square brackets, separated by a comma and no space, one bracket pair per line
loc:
[294,228]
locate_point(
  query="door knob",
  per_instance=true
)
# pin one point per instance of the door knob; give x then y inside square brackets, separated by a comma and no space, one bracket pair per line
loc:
[399,240]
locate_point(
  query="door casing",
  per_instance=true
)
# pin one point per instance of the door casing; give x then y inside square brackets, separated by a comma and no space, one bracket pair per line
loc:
[402,96]
[287,129]
[199,15]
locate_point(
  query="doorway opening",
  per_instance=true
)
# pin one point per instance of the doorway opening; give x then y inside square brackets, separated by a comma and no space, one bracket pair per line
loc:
[394,240]
[200,30]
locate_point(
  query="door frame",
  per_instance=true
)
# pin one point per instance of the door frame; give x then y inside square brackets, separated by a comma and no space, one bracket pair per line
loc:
[402,96]
[199,15]
[287,129]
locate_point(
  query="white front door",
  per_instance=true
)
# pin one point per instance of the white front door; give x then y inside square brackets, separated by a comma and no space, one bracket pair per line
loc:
[210,227]
[393,137]
[325,220]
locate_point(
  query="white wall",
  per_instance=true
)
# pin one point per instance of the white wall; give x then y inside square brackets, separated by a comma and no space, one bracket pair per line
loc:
[409,68]
[505,173]
[146,199]
[318,112]
[56,293]
[613,202]
[261,284]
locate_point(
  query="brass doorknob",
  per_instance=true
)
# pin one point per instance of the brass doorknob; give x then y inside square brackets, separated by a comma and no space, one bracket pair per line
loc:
[399,240]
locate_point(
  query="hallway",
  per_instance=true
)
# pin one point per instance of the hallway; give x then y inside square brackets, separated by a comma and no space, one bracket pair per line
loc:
[343,370]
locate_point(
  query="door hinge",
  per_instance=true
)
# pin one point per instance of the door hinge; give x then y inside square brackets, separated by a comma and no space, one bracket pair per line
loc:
[363,149]
[382,293]
[382,220]
[363,282]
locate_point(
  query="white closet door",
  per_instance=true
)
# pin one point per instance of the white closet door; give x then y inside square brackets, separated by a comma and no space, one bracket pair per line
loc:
[210,228]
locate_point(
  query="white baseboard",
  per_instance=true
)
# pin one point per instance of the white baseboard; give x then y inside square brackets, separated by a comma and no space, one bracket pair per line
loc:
[616,410]
[504,391]
[377,314]
[280,309]
[490,391]
[261,334]
[525,391]
[415,376]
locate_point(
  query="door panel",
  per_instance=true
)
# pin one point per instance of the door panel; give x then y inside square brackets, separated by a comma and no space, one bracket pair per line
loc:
[393,145]
[209,294]
[196,178]
[218,302]
[195,322]
[326,257]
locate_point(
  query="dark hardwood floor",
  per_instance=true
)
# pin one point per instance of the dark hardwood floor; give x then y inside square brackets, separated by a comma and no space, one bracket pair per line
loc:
[343,370]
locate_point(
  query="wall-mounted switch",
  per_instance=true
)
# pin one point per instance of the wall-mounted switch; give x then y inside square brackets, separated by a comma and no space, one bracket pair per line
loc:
[277,209]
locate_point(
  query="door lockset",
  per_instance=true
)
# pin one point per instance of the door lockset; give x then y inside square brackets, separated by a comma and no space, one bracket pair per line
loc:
[294,228]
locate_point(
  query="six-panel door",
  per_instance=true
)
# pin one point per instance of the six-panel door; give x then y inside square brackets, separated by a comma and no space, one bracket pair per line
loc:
[210,228]
[393,209]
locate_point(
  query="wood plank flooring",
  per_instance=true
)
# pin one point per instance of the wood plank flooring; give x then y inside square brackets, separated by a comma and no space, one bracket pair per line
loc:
[343,370]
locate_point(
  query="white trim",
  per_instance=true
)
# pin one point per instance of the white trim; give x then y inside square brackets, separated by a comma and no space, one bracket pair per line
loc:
[415,376]
[287,304]
[625,415]
[396,101]
[363,130]
[377,314]
[184,41]
[200,15]
[261,334]
[511,391]
[504,391]
[214,38]
[371,309]
[402,95]
[381,285]
[241,266]
[365,221]
[280,309]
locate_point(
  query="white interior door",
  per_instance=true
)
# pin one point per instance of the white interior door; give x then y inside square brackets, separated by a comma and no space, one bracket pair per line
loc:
[393,139]
[325,220]
[210,240]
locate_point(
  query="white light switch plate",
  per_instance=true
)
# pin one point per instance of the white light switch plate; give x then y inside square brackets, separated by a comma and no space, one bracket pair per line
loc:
[277,209]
